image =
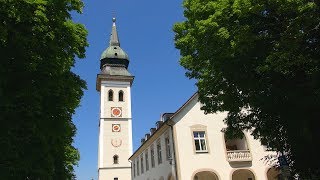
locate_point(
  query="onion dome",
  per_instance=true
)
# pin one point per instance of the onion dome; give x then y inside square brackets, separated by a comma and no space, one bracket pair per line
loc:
[114,56]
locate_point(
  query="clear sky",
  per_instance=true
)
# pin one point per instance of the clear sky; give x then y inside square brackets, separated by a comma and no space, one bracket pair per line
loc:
[160,85]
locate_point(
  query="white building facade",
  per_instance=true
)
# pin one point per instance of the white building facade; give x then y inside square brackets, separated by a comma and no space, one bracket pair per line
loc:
[189,145]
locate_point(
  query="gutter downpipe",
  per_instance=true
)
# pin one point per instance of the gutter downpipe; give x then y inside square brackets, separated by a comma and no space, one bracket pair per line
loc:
[174,150]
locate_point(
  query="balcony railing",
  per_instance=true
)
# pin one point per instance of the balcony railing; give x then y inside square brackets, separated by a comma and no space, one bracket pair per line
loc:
[239,155]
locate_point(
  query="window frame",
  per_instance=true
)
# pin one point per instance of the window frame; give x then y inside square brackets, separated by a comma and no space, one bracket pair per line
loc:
[159,152]
[141,159]
[200,139]
[121,92]
[168,147]
[134,169]
[153,162]
[138,169]
[115,159]
[200,128]
[147,160]
[110,95]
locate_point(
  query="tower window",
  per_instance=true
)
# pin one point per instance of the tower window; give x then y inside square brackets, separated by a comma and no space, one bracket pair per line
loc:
[115,159]
[110,95]
[115,178]
[120,95]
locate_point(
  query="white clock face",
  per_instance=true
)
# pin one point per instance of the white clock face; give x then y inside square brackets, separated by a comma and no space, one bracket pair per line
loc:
[116,128]
[116,112]
[116,142]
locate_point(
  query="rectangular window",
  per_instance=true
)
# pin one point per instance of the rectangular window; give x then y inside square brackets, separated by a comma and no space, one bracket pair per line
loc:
[141,158]
[138,169]
[134,169]
[168,148]
[115,178]
[159,152]
[200,141]
[152,156]
[147,160]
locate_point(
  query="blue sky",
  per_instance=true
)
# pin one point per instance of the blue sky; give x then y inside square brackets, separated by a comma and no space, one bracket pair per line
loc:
[145,32]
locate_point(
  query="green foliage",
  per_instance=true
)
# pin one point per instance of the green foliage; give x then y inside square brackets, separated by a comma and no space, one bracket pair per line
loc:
[259,60]
[38,91]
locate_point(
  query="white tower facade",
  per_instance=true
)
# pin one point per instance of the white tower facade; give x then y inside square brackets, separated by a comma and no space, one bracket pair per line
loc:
[115,127]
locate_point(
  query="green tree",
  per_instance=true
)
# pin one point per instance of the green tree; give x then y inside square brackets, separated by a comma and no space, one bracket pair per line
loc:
[38,91]
[260,61]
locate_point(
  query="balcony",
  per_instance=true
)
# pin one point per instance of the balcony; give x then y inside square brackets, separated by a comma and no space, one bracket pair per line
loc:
[239,155]
[237,149]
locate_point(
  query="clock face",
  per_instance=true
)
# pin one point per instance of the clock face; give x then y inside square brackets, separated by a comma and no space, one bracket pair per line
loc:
[116,112]
[116,128]
[116,142]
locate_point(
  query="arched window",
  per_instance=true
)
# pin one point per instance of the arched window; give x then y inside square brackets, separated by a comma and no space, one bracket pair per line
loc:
[206,175]
[110,95]
[115,159]
[243,173]
[120,95]
[273,173]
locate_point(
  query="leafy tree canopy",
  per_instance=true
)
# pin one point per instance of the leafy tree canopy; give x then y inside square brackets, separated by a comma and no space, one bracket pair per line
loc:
[38,92]
[260,61]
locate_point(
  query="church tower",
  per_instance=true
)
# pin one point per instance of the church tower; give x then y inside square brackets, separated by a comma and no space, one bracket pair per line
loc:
[115,127]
